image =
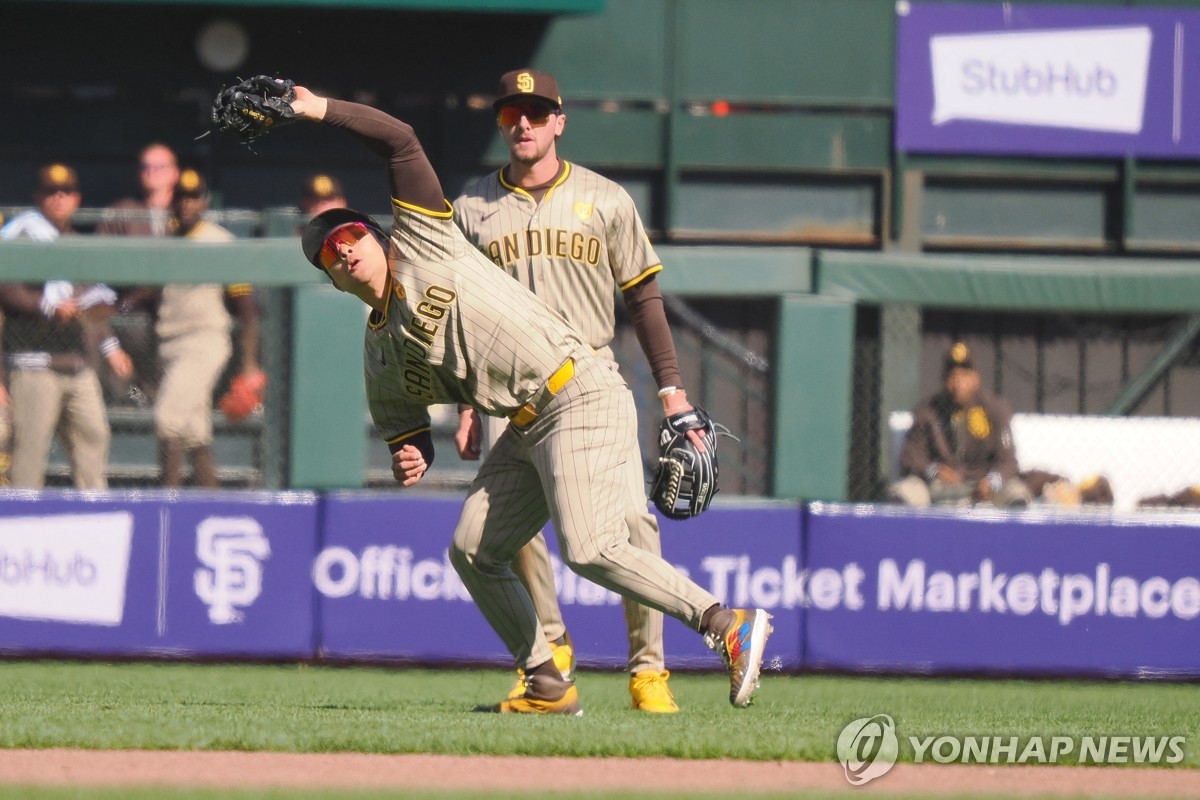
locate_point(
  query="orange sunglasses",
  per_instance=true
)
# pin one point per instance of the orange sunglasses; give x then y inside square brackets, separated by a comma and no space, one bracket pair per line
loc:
[351,234]
[538,114]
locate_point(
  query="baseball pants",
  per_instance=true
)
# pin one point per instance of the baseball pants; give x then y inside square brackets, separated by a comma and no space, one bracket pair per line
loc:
[578,464]
[192,365]
[644,625]
[45,402]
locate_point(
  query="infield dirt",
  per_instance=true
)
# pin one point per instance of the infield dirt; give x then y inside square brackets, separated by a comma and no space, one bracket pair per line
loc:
[211,769]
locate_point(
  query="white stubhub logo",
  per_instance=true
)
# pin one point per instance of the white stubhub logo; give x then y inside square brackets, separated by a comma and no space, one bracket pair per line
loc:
[232,549]
[1088,79]
[65,567]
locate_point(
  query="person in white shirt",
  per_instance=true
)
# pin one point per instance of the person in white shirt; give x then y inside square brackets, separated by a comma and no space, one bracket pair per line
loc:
[55,336]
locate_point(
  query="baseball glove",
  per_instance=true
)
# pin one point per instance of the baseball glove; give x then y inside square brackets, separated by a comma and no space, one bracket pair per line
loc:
[686,479]
[245,395]
[254,107]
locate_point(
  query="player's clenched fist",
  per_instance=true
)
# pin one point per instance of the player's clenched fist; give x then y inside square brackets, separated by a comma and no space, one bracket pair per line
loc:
[408,465]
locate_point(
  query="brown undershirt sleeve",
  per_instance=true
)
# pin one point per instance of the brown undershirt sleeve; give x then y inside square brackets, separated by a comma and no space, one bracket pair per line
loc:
[412,178]
[645,302]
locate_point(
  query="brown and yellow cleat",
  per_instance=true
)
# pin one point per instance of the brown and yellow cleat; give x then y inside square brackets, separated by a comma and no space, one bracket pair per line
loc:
[564,659]
[542,695]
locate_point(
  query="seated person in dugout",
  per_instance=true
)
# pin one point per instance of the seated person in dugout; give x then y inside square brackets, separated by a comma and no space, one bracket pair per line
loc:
[959,449]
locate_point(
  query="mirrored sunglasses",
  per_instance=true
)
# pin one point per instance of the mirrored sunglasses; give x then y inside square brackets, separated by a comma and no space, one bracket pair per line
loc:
[349,234]
[538,114]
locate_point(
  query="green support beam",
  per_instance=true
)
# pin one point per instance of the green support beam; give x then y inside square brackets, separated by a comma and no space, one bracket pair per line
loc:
[134,261]
[1028,283]
[1137,388]
[814,372]
[326,441]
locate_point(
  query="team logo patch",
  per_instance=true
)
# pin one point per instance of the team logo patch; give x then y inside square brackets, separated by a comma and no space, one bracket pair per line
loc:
[977,422]
[583,210]
[525,82]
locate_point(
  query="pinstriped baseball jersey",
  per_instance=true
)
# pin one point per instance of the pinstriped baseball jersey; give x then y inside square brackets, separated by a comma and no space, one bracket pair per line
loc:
[451,312]
[571,250]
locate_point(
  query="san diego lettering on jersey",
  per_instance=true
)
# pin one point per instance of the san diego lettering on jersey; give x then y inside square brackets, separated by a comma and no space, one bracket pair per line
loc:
[546,242]
[422,331]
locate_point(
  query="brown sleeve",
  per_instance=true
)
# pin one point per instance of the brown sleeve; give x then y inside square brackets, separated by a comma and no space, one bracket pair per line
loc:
[410,174]
[17,298]
[1006,455]
[918,454]
[645,302]
[245,308]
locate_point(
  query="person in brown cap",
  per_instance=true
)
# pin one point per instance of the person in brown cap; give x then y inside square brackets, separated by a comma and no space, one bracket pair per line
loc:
[56,339]
[522,217]
[321,192]
[194,326]
[57,197]
[959,449]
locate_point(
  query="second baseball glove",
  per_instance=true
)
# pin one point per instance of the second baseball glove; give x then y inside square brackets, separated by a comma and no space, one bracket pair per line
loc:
[244,397]
[254,107]
[687,478]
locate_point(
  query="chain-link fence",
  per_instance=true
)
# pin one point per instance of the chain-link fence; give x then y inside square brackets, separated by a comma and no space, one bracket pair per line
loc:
[1115,397]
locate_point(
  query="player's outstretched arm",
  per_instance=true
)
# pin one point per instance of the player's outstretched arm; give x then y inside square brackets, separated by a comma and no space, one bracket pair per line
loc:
[410,174]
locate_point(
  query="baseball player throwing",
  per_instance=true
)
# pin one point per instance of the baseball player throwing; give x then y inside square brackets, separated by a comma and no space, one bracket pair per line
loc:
[572,237]
[446,326]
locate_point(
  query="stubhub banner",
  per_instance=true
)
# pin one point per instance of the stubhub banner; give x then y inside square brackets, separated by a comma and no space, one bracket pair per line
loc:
[157,573]
[386,588]
[1036,79]
[939,591]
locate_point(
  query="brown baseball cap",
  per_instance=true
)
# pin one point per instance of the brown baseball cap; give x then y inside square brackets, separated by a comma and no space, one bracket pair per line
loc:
[57,178]
[521,84]
[312,237]
[958,357]
[322,187]
[191,184]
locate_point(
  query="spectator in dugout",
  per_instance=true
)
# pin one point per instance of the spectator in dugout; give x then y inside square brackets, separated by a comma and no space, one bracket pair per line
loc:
[147,214]
[959,450]
[56,341]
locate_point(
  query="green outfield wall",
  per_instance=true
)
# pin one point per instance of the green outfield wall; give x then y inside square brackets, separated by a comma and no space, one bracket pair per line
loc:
[817,293]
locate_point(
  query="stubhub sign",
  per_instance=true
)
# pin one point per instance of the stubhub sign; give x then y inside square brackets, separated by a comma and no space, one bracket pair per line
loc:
[151,572]
[1089,79]
[65,567]
[1047,80]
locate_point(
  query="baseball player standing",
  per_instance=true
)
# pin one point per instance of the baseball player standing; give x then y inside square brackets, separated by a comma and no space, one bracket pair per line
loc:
[193,326]
[572,237]
[446,326]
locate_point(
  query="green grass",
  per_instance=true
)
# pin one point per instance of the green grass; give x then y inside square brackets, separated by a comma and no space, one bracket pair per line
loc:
[376,710]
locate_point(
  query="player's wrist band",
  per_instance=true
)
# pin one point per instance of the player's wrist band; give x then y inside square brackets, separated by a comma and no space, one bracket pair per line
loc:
[668,390]
[110,345]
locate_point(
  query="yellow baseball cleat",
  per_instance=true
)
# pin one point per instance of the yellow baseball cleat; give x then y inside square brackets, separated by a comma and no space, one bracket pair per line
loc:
[739,638]
[650,692]
[564,659]
[542,695]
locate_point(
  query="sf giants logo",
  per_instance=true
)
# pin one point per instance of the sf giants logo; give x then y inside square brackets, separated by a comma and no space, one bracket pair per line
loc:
[232,549]
[525,82]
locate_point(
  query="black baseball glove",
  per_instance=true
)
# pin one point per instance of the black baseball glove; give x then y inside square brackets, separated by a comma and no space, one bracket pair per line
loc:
[254,107]
[686,479]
